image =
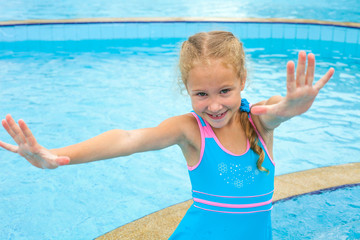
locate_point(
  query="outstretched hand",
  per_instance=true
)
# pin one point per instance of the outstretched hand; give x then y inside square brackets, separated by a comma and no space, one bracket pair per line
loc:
[301,92]
[28,147]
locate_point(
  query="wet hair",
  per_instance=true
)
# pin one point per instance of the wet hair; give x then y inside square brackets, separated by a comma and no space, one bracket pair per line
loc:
[205,46]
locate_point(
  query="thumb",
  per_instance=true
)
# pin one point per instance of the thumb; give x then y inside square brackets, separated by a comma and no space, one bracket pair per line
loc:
[259,110]
[9,147]
[62,160]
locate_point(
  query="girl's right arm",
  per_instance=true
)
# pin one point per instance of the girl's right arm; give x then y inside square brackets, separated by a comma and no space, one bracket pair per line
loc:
[110,144]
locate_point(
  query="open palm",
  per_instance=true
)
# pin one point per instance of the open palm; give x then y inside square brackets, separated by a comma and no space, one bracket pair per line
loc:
[301,92]
[28,147]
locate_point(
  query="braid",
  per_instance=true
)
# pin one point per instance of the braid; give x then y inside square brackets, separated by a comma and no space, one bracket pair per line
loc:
[253,139]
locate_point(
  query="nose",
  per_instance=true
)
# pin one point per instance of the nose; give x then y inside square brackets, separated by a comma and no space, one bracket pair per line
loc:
[214,106]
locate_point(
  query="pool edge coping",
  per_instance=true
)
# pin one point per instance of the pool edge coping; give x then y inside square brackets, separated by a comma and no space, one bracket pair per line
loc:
[176,20]
[160,224]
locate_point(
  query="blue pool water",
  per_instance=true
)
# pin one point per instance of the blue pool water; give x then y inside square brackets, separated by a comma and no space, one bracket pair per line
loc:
[69,91]
[69,96]
[343,11]
[330,214]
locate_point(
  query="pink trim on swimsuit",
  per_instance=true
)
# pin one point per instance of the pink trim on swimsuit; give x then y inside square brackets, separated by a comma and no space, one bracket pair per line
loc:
[208,133]
[227,205]
[233,212]
[202,133]
[261,139]
[233,196]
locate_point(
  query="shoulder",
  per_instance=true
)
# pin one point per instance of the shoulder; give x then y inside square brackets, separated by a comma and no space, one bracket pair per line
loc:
[182,126]
[190,133]
[183,122]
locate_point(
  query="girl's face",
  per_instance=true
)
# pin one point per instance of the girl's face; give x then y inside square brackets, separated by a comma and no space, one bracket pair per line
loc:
[214,90]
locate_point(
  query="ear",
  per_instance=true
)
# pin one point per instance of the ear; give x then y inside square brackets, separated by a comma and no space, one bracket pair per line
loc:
[243,81]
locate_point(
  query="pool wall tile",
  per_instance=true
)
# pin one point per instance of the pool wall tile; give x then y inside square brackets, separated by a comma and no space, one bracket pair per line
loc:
[233,27]
[253,30]
[58,32]
[7,34]
[20,33]
[180,30]
[202,27]
[191,28]
[326,33]
[158,31]
[265,31]
[339,35]
[242,31]
[82,32]
[95,32]
[143,31]
[314,32]
[33,33]
[131,30]
[289,31]
[351,35]
[48,32]
[118,30]
[106,31]
[168,30]
[277,31]
[69,33]
[313,36]
[302,32]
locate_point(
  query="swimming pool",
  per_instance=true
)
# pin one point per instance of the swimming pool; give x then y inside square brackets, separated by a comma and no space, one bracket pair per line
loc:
[327,214]
[342,11]
[71,89]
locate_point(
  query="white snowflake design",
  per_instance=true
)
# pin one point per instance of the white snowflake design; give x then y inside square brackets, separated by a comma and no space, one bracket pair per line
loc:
[239,183]
[222,167]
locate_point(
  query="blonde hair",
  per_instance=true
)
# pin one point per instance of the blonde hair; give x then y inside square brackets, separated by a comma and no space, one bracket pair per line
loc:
[202,47]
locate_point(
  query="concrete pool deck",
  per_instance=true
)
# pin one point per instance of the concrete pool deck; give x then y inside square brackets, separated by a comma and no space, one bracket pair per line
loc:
[161,224]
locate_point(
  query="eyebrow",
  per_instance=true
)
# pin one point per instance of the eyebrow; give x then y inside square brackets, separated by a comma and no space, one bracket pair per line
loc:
[219,89]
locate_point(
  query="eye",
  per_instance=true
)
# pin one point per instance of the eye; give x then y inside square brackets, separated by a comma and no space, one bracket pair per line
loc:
[201,94]
[224,91]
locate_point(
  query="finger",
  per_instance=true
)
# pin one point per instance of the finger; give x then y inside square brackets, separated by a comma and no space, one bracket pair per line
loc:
[9,147]
[310,71]
[7,128]
[9,131]
[300,70]
[29,137]
[321,83]
[290,77]
[15,130]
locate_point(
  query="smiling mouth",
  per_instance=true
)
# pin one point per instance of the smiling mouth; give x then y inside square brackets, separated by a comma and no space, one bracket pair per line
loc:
[217,116]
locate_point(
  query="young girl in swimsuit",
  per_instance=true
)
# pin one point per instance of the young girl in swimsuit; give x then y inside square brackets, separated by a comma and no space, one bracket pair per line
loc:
[226,142]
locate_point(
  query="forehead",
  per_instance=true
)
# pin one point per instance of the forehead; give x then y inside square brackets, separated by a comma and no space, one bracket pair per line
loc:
[211,74]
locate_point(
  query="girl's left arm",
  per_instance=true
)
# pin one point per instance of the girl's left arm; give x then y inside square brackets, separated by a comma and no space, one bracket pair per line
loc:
[301,93]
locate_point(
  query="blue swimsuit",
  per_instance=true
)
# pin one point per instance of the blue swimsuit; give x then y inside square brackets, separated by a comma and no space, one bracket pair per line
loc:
[232,198]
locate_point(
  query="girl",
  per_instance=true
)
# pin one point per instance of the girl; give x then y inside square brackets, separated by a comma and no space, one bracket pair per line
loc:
[227,143]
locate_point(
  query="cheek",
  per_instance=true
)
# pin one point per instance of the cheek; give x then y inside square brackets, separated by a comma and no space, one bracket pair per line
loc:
[234,100]
[197,105]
